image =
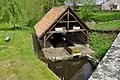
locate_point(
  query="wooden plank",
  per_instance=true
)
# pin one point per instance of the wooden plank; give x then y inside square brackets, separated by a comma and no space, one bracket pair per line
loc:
[67,21]
[49,36]
[66,31]
[45,41]
[77,30]
[87,39]
[73,21]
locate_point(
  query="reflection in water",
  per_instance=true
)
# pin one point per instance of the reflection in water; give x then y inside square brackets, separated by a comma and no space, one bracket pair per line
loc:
[87,69]
[74,69]
[84,72]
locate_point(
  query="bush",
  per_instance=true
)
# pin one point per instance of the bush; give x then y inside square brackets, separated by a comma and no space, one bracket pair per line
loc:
[86,12]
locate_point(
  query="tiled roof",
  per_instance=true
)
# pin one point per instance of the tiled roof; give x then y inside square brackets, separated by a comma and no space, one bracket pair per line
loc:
[49,19]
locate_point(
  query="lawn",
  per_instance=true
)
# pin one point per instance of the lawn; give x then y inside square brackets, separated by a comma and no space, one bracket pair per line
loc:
[100,43]
[107,26]
[17,59]
[99,16]
[106,16]
[18,62]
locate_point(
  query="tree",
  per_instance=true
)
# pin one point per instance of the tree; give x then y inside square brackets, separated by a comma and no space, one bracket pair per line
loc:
[48,4]
[20,13]
[86,11]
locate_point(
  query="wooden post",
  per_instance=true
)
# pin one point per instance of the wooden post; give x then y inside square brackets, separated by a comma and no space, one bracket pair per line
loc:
[50,34]
[44,41]
[68,20]
[87,38]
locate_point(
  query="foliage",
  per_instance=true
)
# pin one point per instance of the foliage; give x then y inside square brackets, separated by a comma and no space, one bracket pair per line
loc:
[24,13]
[100,43]
[48,4]
[10,12]
[107,26]
[17,59]
[86,12]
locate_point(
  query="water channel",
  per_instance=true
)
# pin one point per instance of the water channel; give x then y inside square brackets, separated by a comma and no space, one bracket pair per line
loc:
[74,69]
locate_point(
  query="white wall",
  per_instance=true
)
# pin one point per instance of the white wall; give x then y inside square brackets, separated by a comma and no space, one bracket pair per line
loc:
[106,6]
[118,7]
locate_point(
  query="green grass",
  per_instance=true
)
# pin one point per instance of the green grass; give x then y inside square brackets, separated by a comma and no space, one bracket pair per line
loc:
[100,43]
[107,26]
[17,59]
[5,25]
[103,17]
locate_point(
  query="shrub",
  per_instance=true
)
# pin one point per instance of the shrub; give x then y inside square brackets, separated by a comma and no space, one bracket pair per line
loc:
[85,12]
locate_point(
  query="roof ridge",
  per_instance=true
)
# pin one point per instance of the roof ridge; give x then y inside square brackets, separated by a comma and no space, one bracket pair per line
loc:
[59,6]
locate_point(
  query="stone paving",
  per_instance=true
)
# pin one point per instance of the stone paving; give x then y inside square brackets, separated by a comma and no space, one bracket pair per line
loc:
[109,67]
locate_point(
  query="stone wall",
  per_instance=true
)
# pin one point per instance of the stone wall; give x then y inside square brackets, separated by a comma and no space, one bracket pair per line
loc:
[109,67]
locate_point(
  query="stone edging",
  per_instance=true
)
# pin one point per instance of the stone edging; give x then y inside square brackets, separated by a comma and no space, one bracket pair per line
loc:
[109,67]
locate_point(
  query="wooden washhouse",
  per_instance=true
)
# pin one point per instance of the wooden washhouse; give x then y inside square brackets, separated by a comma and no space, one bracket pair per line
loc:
[60,32]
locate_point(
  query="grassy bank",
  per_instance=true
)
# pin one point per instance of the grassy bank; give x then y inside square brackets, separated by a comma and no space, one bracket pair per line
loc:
[17,59]
[100,43]
[18,62]
[107,26]
[103,17]
[99,16]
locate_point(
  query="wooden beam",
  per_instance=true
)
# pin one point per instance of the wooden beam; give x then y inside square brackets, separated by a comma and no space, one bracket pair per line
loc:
[55,24]
[49,36]
[85,33]
[78,21]
[73,21]
[51,32]
[77,30]
[68,20]
[80,24]
[57,21]
[87,38]
[62,17]
[44,41]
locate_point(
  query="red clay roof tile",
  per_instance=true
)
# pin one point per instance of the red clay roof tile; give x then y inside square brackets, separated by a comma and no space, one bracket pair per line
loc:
[49,19]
